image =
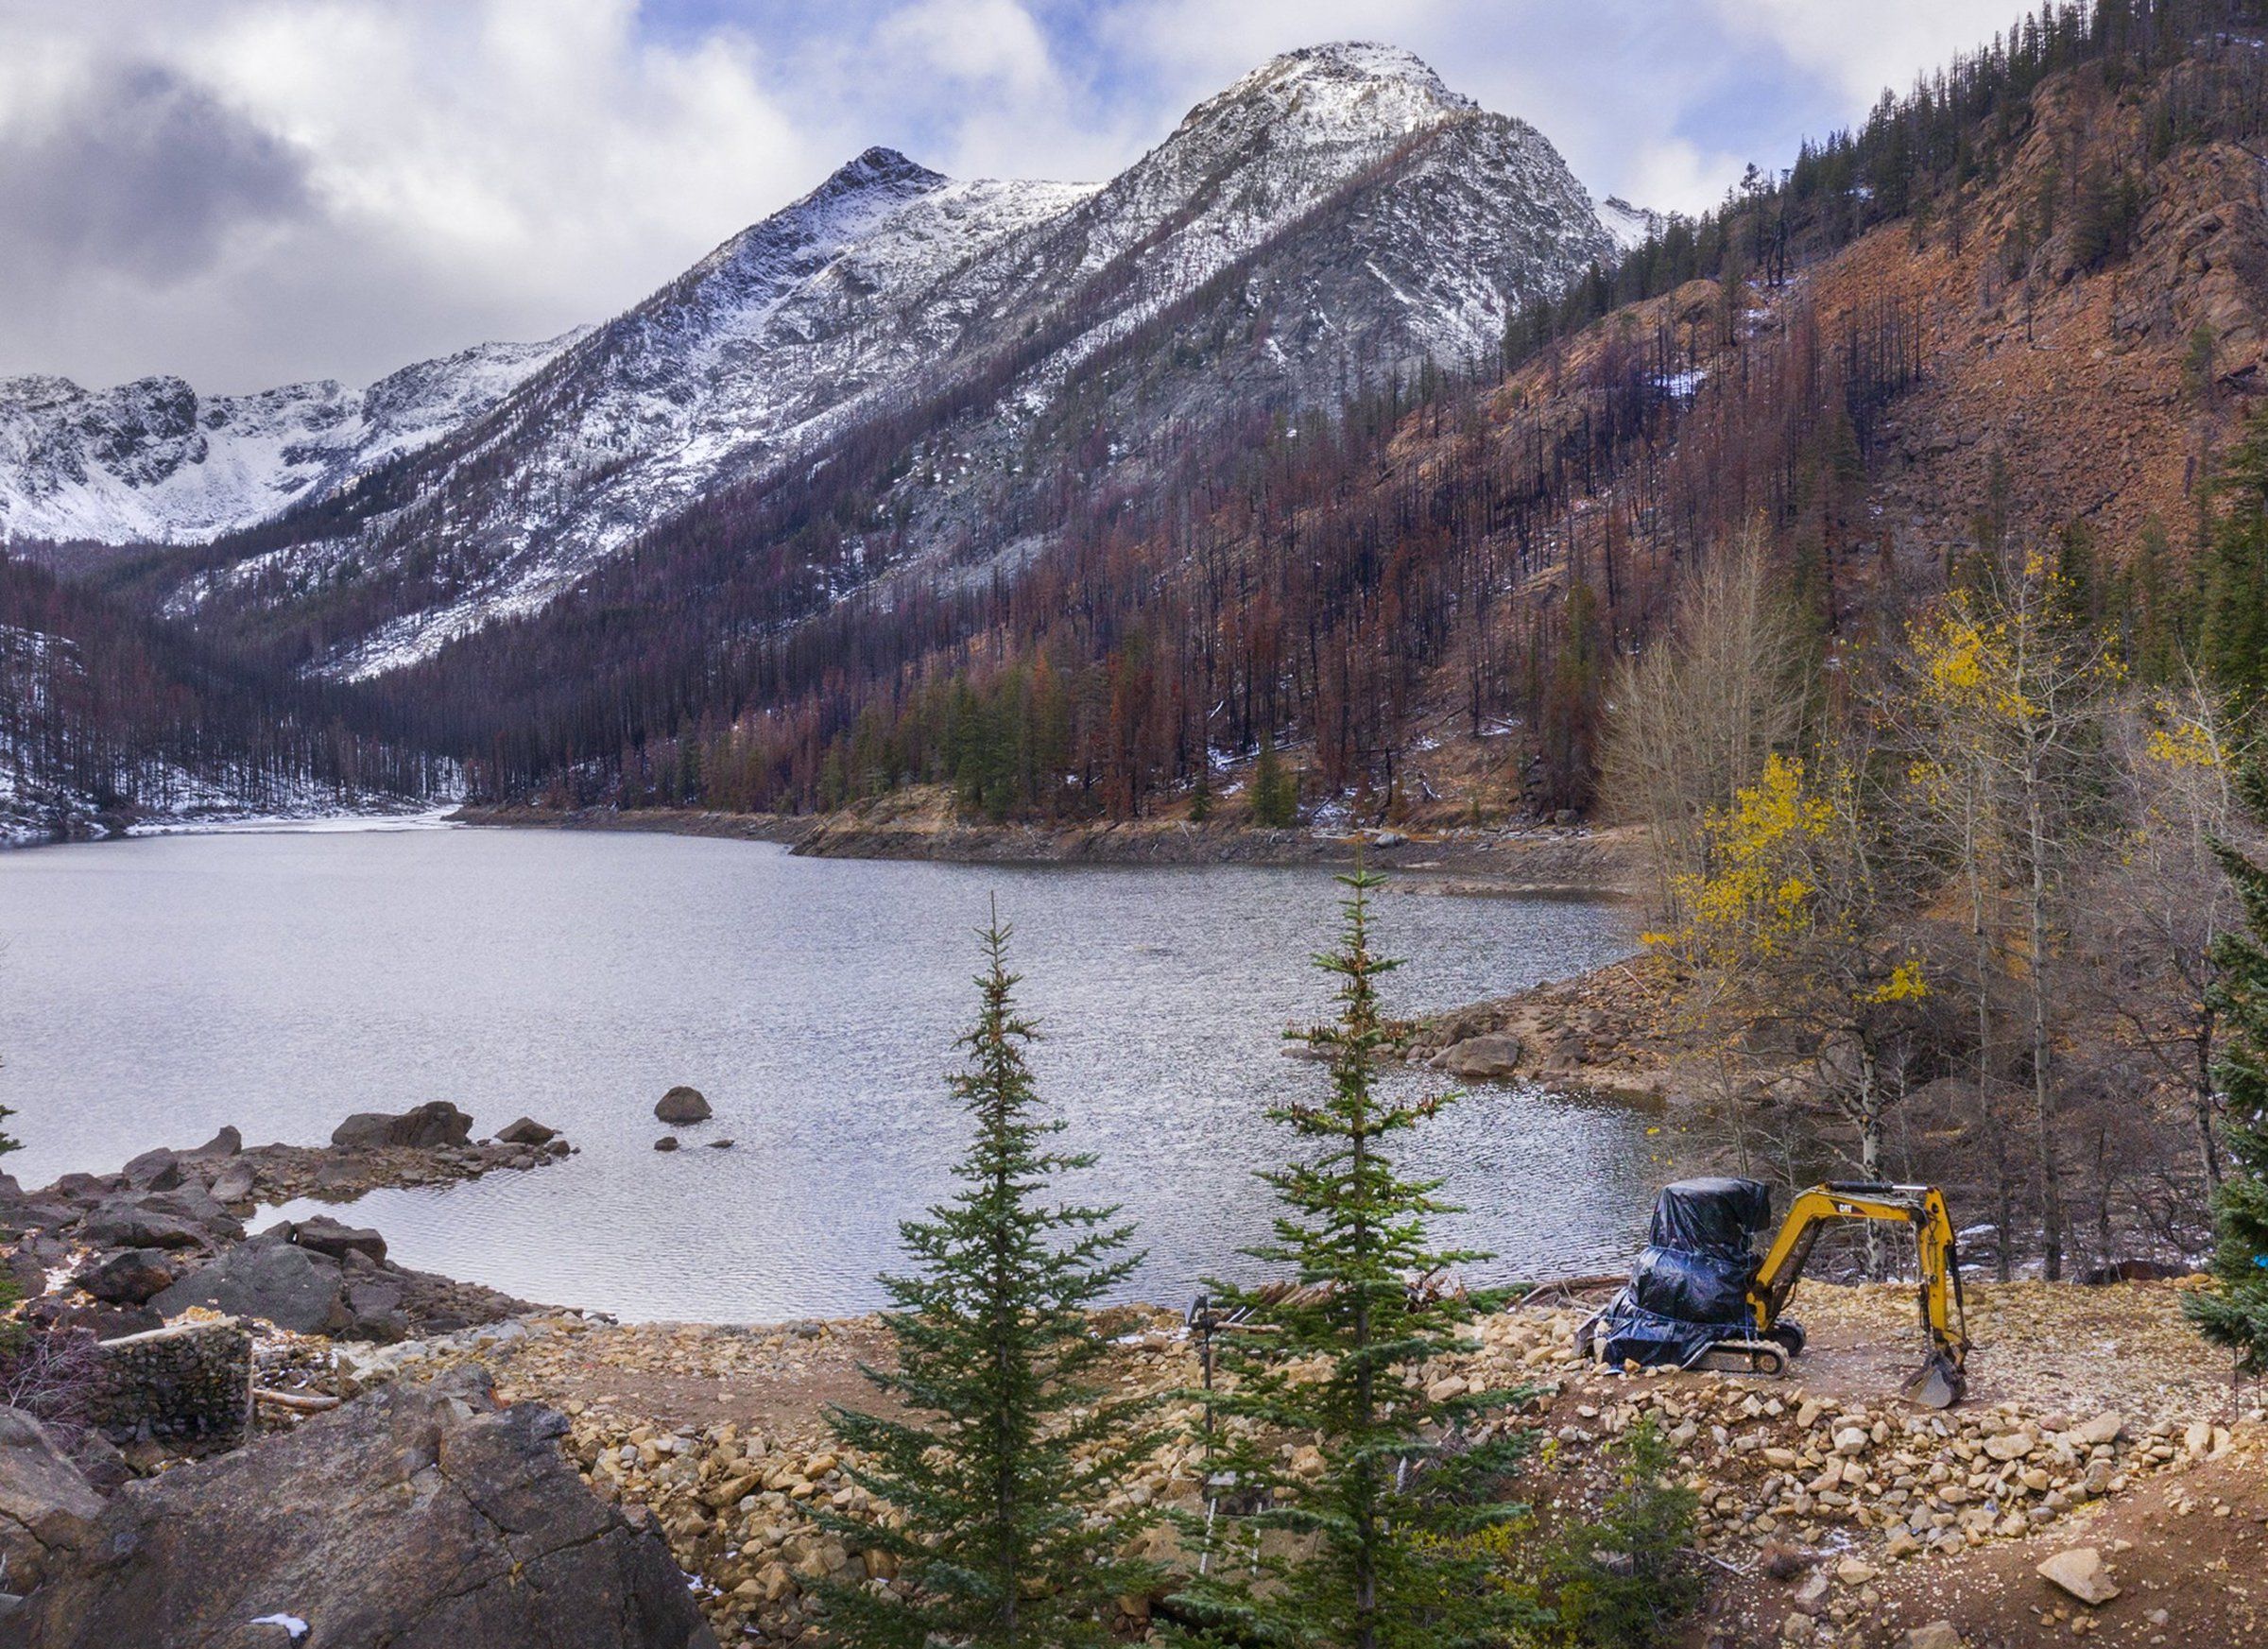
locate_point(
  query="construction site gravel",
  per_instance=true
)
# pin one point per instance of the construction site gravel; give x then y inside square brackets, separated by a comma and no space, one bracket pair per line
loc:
[1833,1513]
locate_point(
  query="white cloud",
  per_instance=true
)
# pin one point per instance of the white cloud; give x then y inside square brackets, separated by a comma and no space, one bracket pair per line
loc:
[992,43]
[250,191]
[1867,48]
[515,166]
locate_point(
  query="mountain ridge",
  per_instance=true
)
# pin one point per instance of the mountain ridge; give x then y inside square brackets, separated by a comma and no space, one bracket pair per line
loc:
[889,281]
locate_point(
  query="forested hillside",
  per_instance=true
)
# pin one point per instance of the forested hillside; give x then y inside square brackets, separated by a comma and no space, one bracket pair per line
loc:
[108,718]
[2020,303]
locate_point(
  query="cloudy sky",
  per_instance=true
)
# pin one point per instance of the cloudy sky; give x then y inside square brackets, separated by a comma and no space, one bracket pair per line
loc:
[251,191]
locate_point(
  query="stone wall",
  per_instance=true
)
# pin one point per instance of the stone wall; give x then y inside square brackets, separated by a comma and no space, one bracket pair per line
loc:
[189,1386]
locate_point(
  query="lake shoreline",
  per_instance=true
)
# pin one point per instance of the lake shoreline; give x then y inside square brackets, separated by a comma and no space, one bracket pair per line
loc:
[1544,861]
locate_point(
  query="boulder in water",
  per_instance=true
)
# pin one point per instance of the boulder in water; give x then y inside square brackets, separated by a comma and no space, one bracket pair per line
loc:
[682,1105]
[435,1122]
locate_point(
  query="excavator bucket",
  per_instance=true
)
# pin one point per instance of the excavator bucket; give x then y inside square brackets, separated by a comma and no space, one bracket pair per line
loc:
[1936,1385]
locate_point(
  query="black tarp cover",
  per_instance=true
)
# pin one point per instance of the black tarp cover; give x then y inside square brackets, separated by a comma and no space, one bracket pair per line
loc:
[1692,1288]
[1710,1216]
[1691,1283]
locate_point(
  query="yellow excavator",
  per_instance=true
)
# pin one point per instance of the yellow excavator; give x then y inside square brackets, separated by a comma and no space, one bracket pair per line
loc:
[1700,1298]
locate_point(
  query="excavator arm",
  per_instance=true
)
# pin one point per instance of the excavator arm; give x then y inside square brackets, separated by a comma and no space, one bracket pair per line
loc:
[1940,1381]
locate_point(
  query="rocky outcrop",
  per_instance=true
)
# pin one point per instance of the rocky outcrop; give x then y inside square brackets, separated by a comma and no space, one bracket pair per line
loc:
[46,1503]
[319,1277]
[167,1225]
[424,1126]
[413,1517]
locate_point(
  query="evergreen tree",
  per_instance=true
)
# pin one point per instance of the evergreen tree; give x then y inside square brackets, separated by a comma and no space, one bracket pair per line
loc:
[2235,1314]
[1274,790]
[1399,1512]
[1012,1441]
[2233,632]
[1200,789]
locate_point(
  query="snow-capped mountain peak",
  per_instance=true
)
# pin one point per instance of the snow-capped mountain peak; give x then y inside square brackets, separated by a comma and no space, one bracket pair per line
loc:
[1342,88]
[1335,215]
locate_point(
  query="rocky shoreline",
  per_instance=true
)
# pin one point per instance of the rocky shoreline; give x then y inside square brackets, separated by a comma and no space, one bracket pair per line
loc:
[121,1253]
[687,1460]
[1540,861]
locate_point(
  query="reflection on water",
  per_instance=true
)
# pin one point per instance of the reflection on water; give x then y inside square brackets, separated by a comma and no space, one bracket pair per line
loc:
[151,991]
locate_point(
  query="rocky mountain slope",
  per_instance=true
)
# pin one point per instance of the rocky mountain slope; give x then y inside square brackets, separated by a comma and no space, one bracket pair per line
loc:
[1335,216]
[154,462]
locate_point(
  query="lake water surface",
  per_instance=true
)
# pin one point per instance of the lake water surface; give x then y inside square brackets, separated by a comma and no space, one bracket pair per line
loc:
[152,991]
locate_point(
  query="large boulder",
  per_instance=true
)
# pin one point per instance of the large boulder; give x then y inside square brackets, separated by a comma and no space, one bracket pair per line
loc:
[525,1131]
[325,1235]
[235,1182]
[682,1105]
[413,1518]
[1492,1056]
[157,1170]
[121,1224]
[292,1287]
[435,1122]
[200,1208]
[131,1275]
[297,1287]
[46,1501]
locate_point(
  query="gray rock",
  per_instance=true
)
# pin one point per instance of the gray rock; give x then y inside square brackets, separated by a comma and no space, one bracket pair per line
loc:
[157,1170]
[220,1147]
[197,1205]
[86,1190]
[525,1131]
[234,1183]
[2081,1572]
[435,1122]
[131,1277]
[119,1224]
[46,1501]
[682,1105]
[1489,1057]
[413,1517]
[325,1235]
[666,1142]
[292,1287]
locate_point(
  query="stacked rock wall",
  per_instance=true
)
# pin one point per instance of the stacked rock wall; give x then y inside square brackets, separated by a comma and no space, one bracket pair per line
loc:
[187,1385]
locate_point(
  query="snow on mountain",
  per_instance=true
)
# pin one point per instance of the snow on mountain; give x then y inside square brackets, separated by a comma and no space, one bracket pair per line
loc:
[1372,219]
[1629,226]
[773,339]
[153,463]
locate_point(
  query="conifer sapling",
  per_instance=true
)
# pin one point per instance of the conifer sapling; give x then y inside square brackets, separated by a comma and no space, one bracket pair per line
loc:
[1010,1441]
[1407,1489]
[2235,1311]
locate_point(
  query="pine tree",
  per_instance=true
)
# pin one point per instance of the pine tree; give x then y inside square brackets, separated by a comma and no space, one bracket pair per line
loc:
[2235,1313]
[2233,632]
[1275,791]
[1400,1515]
[1012,1441]
[1200,788]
